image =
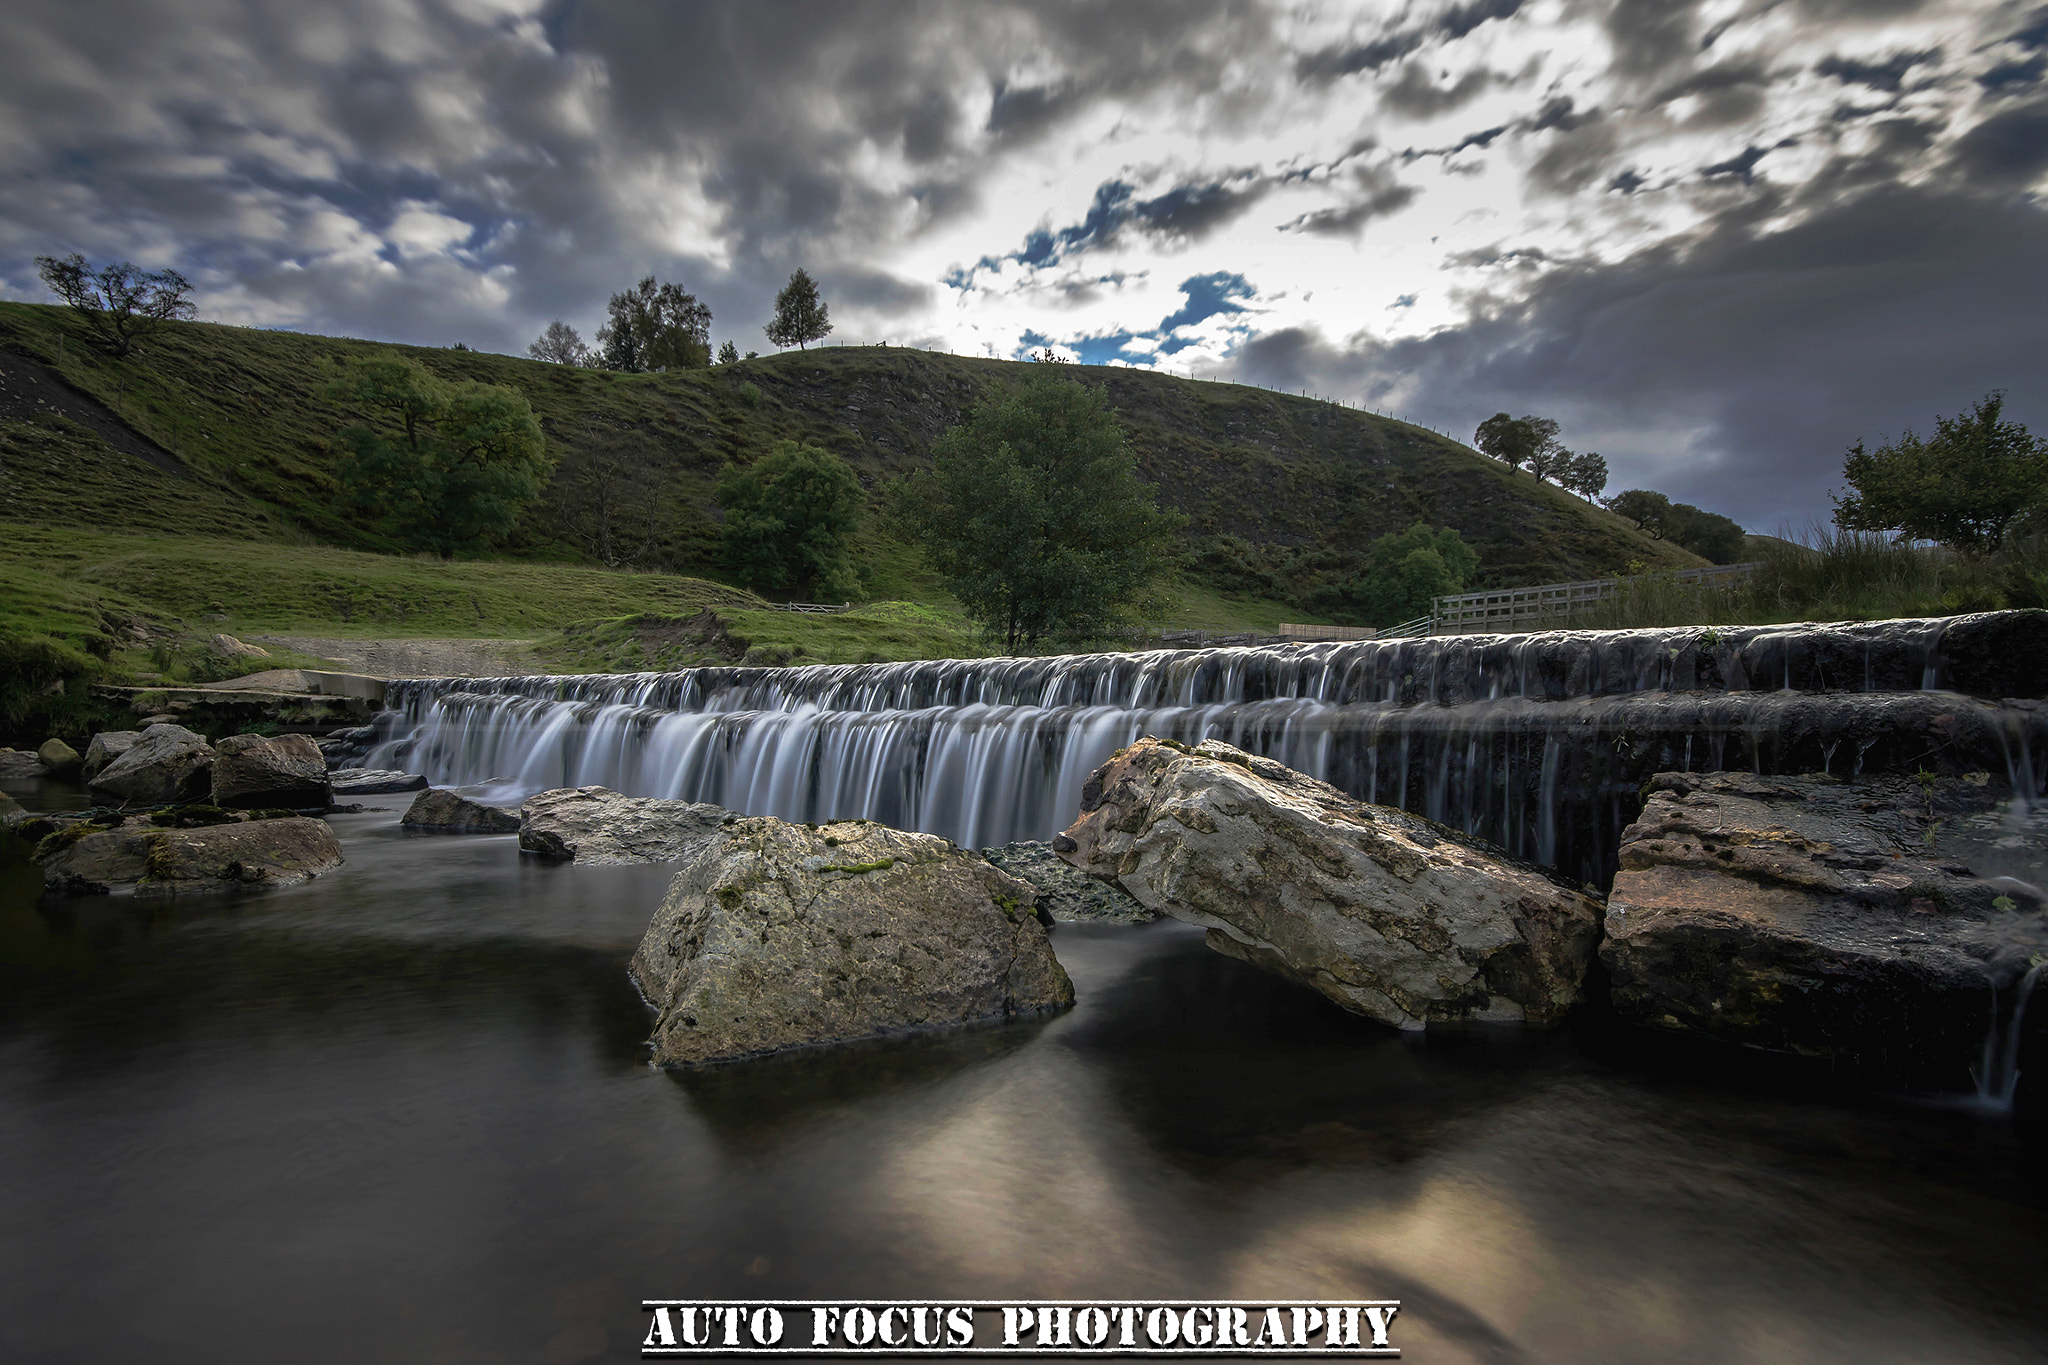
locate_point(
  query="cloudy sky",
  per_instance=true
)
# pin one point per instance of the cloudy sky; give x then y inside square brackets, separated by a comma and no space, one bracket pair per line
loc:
[1717,239]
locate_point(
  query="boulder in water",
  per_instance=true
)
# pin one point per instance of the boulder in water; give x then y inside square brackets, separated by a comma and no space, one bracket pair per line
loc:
[1818,917]
[598,825]
[1390,915]
[107,746]
[60,758]
[781,936]
[167,763]
[1065,892]
[254,771]
[452,813]
[21,763]
[90,858]
[373,781]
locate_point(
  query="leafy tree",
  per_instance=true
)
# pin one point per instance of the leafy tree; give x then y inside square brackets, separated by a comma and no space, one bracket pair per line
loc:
[1965,486]
[1399,575]
[1033,511]
[1651,512]
[800,315]
[559,345]
[1710,535]
[790,518]
[439,466]
[1547,456]
[655,327]
[121,303]
[728,354]
[1507,439]
[1587,475]
[613,500]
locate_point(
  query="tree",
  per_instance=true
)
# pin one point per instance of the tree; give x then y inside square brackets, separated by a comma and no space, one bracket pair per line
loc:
[790,517]
[1033,512]
[613,500]
[121,303]
[1547,456]
[728,354]
[1399,575]
[1964,487]
[1651,512]
[439,466]
[1709,535]
[1587,475]
[800,315]
[655,327]
[559,345]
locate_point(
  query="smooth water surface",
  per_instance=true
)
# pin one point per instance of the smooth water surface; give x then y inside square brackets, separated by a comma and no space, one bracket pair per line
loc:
[404,1113]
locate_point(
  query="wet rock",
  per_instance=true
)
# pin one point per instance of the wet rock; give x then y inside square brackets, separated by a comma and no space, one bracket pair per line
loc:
[451,813]
[60,758]
[166,763]
[11,812]
[597,825]
[257,771]
[1390,915]
[781,936]
[1065,892]
[107,746]
[1818,917]
[165,860]
[21,763]
[373,781]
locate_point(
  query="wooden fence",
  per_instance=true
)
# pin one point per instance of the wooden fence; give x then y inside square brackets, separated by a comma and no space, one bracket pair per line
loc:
[1549,606]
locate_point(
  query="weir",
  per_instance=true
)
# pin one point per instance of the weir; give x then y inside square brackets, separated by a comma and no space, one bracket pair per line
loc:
[1537,742]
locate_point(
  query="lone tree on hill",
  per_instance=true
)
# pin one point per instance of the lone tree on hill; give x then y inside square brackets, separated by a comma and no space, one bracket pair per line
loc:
[728,354]
[440,467]
[1965,486]
[655,327]
[800,315]
[790,518]
[120,302]
[559,345]
[1033,511]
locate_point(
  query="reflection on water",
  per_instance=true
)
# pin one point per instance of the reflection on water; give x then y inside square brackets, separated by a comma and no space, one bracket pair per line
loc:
[404,1113]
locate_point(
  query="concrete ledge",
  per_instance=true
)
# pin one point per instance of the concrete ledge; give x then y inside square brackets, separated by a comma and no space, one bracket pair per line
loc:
[306,682]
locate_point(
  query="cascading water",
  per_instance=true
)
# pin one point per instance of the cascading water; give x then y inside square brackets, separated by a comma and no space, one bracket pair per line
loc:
[1537,742]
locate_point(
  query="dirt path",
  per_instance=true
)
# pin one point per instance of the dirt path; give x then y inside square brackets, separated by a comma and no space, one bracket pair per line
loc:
[418,658]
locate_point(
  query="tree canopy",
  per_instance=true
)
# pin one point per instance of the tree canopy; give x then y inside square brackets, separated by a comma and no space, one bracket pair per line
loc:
[800,315]
[560,344]
[441,467]
[1965,486]
[790,518]
[1033,511]
[1394,580]
[1707,534]
[120,302]
[655,327]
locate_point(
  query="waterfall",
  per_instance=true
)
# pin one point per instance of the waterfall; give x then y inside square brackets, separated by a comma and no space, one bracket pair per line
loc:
[1536,742]
[1998,1071]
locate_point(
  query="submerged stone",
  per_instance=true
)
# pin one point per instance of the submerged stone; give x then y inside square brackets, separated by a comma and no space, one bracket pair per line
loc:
[782,936]
[597,825]
[91,858]
[453,813]
[373,781]
[1391,916]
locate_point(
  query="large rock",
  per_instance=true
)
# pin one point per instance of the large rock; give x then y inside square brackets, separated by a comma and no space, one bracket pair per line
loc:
[1390,915]
[252,772]
[1065,892]
[167,763]
[158,861]
[783,936]
[1812,916]
[373,781]
[60,758]
[21,763]
[228,647]
[107,746]
[452,813]
[597,825]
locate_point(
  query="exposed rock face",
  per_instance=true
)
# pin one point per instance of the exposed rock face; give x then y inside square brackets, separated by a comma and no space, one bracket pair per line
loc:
[252,772]
[597,825]
[1390,915]
[107,746]
[1812,916]
[60,758]
[784,936]
[373,781]
[228,647]
[1066,893]
[159,861]
[167,763]
[451,813]
[20,763]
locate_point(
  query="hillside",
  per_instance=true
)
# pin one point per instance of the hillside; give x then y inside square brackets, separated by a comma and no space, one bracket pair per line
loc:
[223,431]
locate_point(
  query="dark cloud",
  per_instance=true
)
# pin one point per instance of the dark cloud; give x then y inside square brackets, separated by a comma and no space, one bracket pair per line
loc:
[1743,166]
[2010,78]
[1195,211]
[1375,192]
[1391,45]
[1729,93]
[1417,95]
[1650,35]
[1187,212]
[1888,75]
[2010,147]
